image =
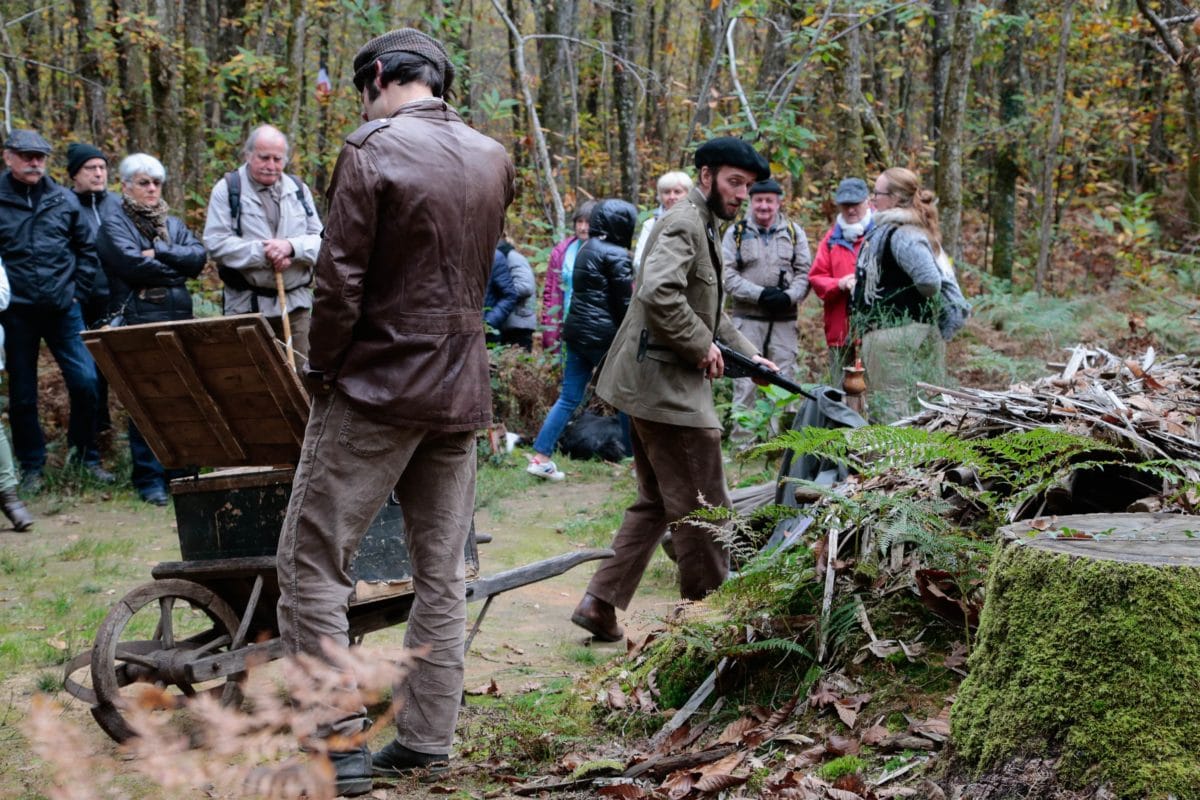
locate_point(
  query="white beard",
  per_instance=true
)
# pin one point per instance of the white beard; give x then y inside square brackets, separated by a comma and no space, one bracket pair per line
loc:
[852,232]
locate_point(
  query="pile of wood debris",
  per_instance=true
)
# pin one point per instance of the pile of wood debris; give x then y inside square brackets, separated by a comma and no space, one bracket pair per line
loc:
[1149,405]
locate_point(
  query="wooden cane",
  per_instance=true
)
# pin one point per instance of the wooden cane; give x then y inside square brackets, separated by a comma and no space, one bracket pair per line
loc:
[287,325]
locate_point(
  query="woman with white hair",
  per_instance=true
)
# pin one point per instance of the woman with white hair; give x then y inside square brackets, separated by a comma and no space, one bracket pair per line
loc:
[672,187]
[148,257]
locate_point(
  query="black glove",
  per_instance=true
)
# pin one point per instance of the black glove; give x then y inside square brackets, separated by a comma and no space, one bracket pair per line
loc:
[775,300]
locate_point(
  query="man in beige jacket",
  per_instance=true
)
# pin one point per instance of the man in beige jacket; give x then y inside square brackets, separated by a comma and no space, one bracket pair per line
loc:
[659,372]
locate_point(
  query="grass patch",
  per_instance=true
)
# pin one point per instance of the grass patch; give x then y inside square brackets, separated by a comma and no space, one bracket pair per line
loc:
[95,549]
[535,727]
[14,563]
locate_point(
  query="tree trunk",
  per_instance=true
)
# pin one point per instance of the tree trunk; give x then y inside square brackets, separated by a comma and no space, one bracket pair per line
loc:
[558,19]
[89,70]
[1007,169]
[1050,161]
[1087,648]
[163,54]
[708,61]
[849,155]
[949,151]
[297,30]
[939,62]
[195,81]
[1181,56]
[625,89]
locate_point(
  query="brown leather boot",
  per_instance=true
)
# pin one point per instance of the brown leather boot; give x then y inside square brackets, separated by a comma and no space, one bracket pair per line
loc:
[15,510]
[598,618]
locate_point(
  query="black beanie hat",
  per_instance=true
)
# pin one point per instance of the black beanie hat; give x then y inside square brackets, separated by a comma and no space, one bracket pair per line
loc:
[79,154]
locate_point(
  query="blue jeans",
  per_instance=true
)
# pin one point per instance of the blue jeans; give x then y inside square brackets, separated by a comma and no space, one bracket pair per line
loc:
[577,372]
[24,330]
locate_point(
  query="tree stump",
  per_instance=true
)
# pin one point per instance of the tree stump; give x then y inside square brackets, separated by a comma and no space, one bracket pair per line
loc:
[1089,652]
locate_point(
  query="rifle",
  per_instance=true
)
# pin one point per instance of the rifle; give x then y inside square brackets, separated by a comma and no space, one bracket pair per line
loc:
[740,366]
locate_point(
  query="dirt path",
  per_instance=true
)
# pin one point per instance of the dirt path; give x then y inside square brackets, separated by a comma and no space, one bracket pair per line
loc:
[83,557]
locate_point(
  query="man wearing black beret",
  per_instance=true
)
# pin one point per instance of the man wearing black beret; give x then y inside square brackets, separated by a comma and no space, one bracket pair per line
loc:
[659,371]
[398,372]
[766,276]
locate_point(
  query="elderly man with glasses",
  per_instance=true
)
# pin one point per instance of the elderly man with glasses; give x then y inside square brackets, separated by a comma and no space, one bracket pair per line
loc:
[49,252]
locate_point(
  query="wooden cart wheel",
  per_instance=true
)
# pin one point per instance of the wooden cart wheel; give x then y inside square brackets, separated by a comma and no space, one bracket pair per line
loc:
[151,636]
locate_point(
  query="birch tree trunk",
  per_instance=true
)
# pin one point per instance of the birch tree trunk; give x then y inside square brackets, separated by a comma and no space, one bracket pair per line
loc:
[1050,161]
[949,151]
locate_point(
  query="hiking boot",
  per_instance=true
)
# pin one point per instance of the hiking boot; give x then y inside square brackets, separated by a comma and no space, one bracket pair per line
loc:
[15,510]
[100,474]
[396,760]
[545,469]
[353,771]
[155,497]
[32,482]
[598,618]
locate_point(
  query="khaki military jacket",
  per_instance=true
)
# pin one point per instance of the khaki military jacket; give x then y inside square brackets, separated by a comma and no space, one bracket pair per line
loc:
[651,370]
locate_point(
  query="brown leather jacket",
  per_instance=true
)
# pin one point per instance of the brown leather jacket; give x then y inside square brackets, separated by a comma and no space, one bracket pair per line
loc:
[417,204]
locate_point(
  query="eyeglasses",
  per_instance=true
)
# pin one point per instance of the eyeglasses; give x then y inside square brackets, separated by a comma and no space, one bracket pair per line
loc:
[881,194]
[144,182]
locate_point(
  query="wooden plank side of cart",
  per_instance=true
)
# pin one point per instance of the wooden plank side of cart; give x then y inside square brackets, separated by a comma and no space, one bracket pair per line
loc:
[206,392]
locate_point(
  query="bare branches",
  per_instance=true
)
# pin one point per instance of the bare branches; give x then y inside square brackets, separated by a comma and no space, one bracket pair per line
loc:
[733,74]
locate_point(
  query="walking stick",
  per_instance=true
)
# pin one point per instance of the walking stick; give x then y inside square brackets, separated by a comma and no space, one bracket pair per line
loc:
[287,325]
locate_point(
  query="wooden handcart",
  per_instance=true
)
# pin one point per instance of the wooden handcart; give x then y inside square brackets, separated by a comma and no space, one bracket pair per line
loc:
[218,393]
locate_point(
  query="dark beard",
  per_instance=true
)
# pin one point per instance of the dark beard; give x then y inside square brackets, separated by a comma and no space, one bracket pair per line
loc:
[716,205]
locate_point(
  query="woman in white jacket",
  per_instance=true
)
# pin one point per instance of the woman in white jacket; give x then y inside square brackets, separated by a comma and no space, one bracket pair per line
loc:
[672,187]
[13,508]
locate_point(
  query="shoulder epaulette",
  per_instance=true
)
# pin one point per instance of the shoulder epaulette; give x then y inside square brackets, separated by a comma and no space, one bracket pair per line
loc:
[360,136]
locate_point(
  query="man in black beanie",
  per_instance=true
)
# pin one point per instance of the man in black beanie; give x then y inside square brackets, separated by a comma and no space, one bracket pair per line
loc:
[87,167]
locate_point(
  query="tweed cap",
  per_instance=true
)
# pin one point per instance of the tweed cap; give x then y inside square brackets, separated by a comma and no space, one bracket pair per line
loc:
[851,191]
[404,40]
[769,186]
[79,153]
[730,151]
[22,141]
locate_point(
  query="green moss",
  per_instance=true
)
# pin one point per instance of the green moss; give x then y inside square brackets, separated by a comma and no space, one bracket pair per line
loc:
[1098,661]
[846,765]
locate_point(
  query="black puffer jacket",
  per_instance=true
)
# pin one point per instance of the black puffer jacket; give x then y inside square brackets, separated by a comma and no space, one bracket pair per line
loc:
[48,251]
[156,288]
[602,282]
[96,207]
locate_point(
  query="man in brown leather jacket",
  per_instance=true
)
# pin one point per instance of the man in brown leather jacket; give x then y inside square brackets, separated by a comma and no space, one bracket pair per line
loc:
[398,371]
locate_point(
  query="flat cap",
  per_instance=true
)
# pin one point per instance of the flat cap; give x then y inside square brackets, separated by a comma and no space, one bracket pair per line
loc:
[769,186]
[22,141]
[404,40]
[79,153]
[730,151]
[851,191]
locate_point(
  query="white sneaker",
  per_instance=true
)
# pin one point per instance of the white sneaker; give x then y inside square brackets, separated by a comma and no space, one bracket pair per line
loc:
[545,469]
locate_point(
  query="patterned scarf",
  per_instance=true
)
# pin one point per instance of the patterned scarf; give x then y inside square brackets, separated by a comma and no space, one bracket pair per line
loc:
[151,221]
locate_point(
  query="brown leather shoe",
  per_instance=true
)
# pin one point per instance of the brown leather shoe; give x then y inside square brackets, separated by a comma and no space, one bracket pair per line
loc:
[15,510]
[598,618]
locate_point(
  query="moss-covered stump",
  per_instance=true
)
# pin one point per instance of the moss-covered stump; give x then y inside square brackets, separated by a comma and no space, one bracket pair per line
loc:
[1089,651]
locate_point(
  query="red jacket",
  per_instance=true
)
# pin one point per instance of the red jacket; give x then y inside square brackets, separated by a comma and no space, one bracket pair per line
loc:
[830,264]
[552,295]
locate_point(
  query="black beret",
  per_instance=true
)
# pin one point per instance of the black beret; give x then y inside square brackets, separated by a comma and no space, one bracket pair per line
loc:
[730,151]
[21,141]
[79,154]
[769,186]
[404,40]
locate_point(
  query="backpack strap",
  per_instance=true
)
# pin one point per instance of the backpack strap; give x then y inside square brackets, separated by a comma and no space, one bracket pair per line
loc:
[308,212]
[233,183]
[739,230]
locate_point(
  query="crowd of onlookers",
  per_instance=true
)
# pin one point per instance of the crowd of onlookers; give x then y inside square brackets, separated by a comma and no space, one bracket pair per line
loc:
[82,256]
[888,235]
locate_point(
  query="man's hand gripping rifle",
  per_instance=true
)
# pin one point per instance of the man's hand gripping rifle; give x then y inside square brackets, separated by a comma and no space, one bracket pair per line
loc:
[740,366]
